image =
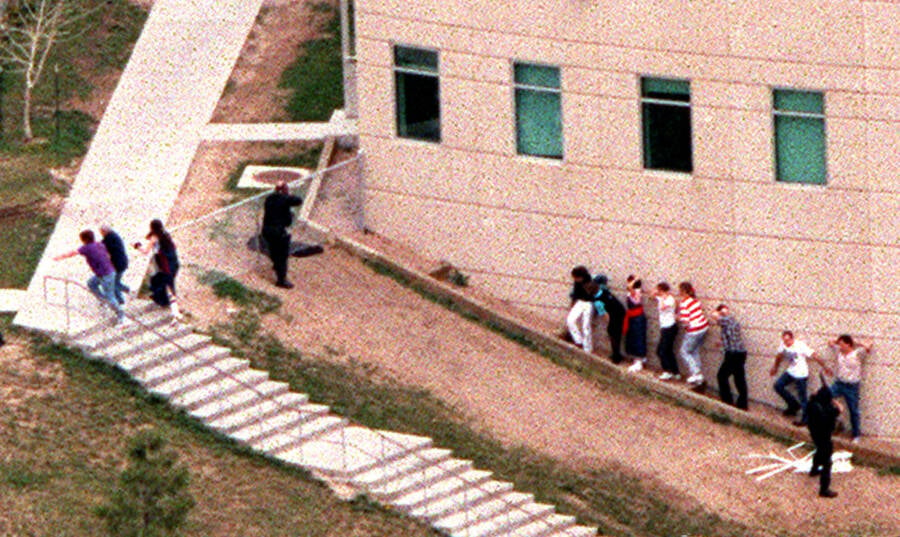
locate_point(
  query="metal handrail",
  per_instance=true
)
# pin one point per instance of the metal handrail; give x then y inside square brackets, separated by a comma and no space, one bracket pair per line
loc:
[281,406]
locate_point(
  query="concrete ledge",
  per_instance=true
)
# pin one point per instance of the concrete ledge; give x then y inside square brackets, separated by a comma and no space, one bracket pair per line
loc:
[11,300]
[882,454]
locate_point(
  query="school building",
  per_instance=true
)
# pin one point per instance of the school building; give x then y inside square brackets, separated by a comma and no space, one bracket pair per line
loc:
[750,147]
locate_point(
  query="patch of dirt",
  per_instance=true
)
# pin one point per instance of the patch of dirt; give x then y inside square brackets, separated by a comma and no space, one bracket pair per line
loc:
[252,94]
[24,376]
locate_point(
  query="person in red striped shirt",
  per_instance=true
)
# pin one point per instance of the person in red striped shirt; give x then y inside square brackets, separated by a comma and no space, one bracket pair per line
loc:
[691,316]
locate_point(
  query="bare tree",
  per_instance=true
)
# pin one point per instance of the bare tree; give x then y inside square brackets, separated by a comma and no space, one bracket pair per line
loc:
[28,31]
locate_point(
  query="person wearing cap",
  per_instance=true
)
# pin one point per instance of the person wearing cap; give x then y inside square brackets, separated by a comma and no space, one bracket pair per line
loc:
[277,217]
[616,312]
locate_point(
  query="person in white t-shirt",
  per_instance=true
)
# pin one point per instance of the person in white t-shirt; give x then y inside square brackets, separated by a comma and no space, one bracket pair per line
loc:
[796,353]
[668,329]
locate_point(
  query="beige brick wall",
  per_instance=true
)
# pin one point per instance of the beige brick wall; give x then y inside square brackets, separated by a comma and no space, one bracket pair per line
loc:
[819,260]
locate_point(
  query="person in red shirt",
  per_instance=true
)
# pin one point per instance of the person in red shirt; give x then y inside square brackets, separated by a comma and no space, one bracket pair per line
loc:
[691,316]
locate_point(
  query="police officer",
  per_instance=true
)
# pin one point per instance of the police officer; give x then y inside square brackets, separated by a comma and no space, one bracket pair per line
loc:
[277,217]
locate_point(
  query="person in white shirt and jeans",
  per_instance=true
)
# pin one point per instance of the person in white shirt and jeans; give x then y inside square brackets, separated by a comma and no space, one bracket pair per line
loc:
[795,353]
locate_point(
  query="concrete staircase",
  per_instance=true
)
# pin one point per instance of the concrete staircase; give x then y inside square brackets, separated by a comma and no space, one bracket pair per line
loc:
[403,471]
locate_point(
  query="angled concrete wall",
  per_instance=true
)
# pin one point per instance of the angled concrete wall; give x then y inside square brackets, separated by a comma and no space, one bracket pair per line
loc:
[820,260]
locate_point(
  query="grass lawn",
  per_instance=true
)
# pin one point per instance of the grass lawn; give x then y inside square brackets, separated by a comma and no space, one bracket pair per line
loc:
[316,76]
[66,422]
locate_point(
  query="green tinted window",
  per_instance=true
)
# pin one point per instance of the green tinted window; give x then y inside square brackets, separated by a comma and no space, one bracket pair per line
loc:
[800,137]
[416,59]
[537,75]
[538,104]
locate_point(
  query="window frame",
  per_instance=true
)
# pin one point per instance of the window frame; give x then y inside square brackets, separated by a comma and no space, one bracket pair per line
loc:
[436,74]
[642,100]
[808,115]
[541,89]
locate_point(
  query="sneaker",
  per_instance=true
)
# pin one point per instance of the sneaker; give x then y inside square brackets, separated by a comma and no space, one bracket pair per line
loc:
[665,375]
[788,412]
[285,285]
[855,440]
[636,366]
[828,494]
[799,423]
[695,379]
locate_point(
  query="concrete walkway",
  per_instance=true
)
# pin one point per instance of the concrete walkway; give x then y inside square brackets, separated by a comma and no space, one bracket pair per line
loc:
[279,132]
[148,135]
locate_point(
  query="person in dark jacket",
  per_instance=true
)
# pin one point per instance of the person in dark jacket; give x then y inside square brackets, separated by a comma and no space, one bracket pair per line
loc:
[116,249]
[277,217]
[616,312]
[822,413]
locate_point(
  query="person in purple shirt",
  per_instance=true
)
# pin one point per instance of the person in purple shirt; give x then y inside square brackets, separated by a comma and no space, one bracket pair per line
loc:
[103,282]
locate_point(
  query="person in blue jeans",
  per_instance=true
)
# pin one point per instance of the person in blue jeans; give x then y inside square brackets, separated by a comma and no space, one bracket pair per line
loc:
[796,353]
[848,374]
[103,282]
[116,249]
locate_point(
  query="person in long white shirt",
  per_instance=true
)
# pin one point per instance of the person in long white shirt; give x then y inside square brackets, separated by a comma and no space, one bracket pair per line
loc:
[848,375]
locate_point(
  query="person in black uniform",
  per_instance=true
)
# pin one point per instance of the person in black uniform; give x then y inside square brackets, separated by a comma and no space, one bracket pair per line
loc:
[616,311]
[822,413]
[277,217]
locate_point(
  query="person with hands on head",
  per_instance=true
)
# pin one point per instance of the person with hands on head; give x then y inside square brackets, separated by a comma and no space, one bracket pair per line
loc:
[848,375]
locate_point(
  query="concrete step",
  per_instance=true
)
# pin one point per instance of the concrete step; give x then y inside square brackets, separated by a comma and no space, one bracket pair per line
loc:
[464,515]
[284,420]
[432,480]
[306,432]
[174,340]
[228,389]
[213,388]
[504,522]
[263,410]
[187,364]
[552,526]
[134,309]
[207,375]
[412,462]
[422,505]
[242,402]
[96,341]
[573,531]
[156,364]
